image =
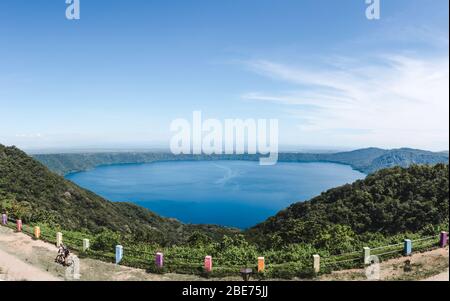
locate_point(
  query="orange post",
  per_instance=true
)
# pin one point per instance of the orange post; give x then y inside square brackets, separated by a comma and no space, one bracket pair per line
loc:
[37,232]
[261,264]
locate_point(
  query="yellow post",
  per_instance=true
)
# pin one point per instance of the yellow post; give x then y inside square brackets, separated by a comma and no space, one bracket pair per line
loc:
[37,232]
[261,264]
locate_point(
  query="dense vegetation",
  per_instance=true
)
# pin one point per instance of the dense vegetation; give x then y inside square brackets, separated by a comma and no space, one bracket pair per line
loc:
[386,203]
[383,209]
[365,160]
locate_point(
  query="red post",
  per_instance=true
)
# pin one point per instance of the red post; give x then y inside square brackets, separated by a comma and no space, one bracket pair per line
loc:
[208,264]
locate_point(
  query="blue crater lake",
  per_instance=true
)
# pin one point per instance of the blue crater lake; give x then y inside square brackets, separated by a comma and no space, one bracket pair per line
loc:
[229,193]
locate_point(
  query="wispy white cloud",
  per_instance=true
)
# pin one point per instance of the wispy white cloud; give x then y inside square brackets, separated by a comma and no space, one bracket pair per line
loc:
[395,100]
[31,136]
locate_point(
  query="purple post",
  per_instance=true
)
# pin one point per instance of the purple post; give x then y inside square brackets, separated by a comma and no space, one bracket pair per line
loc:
[443,241]
[4,219]
[159,260]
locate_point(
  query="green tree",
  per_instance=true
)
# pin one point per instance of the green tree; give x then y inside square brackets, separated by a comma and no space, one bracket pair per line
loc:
[106,241]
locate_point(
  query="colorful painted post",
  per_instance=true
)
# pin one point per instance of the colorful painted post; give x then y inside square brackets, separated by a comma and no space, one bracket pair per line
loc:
[443,239]
[261,264]
[19,225]
[366,254]
[159,260]
[37,232]
[407,247]
[59,239]
[4,219]
[119,254]
[316,263]
[86,244]
[208,264]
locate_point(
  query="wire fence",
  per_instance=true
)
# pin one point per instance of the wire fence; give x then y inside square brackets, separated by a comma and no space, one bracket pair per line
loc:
[146,259]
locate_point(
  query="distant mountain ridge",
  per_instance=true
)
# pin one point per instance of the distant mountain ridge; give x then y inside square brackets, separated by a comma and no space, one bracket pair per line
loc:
[370,160]
[407,157]
[366,160]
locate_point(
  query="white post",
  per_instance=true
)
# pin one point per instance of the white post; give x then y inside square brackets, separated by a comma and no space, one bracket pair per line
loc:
[366,251]
[316,263]
[86,244]
[59,239]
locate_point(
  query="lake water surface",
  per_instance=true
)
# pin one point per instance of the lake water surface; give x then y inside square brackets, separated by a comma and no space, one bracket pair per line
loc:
[229,193]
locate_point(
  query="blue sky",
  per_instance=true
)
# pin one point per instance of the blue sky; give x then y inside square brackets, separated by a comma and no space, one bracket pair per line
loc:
[118,76]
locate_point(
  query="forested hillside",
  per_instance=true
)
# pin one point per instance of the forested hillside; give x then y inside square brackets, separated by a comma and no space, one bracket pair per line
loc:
[386,203]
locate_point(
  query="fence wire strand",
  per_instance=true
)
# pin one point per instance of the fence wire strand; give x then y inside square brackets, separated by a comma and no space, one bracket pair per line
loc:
[145,257]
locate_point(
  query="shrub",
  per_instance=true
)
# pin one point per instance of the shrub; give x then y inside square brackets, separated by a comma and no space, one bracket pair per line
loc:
[106,241]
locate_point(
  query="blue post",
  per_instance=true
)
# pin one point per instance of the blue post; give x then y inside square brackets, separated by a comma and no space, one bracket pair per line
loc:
[407,247]
[119,254]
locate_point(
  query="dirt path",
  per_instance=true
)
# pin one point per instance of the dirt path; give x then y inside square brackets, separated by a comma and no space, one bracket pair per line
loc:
[441,277]
[14,269]
[22,258]
[423,266]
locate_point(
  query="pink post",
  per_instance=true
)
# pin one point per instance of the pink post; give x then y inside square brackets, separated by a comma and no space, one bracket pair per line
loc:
[208,264]
[159,260]
[19,225]
[4,219]
[443,241]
